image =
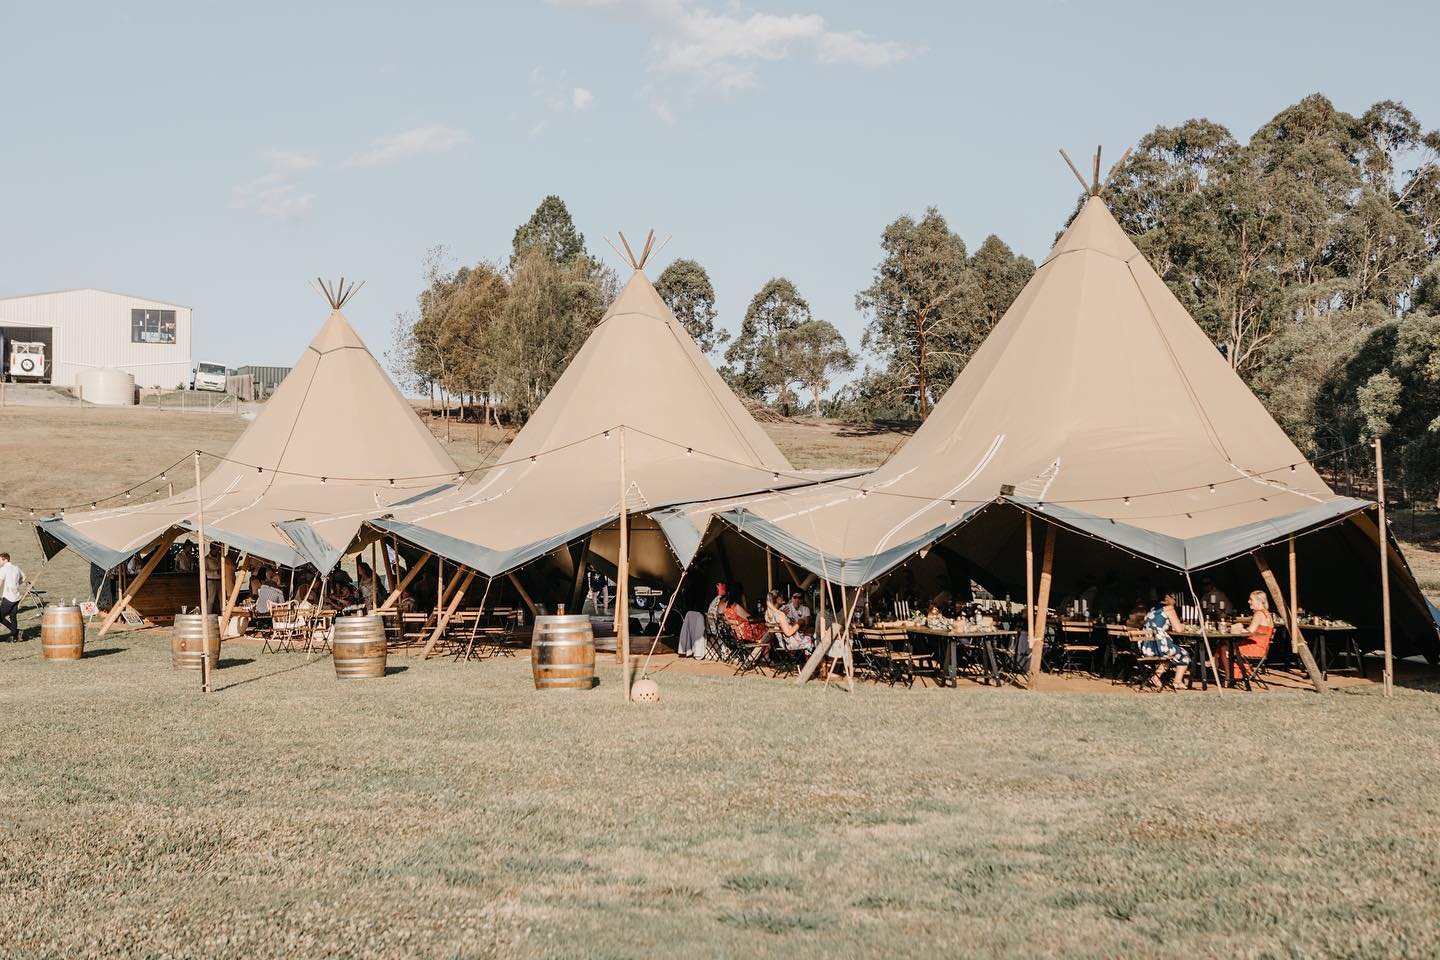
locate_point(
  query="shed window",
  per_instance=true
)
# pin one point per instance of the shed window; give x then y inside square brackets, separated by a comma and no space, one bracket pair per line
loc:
[152,326]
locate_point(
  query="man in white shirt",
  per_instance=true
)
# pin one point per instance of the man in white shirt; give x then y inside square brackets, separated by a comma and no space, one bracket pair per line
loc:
[266,594]
[10,579]
[796,609]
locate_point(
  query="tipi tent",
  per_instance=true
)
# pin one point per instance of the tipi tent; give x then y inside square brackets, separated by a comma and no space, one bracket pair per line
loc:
[639,390]
[335,438]
[1096,404]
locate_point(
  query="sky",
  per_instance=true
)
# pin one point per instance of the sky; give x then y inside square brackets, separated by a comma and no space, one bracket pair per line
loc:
[220,155]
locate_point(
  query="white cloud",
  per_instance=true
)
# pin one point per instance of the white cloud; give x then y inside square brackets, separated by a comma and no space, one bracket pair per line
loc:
[581,98]
[412,143]
[273,193]
[663,111]
[725,48]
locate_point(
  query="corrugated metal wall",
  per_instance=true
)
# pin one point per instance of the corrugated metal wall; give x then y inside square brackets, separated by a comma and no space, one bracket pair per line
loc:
[91,328]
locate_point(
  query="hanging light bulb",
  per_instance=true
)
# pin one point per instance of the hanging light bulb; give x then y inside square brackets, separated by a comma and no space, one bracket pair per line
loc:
[1292,467]
[392,481]
[607,434]
[93,505]
[1127,501]
[259,469]
[775,475]
[689,451]
[162,476]
[532,459]
[1212,488]
[322,479]
[952,504]
[127,494]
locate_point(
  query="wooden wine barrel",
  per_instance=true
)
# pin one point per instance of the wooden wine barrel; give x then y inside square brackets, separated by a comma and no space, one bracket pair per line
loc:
[186,646]
[562,653]
[62,633]
[358,647]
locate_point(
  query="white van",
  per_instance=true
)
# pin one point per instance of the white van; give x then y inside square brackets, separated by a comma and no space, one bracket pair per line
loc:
[25,361]
[208,376]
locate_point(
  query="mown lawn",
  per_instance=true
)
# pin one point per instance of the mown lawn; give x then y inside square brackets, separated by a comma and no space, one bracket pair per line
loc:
[452,811]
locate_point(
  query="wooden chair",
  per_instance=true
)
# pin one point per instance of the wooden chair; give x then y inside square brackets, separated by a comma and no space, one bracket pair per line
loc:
[285,627]
[1145,670]
[1077,644]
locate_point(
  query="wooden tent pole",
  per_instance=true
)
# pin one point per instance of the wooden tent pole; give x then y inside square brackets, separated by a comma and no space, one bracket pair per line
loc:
[1029,582]
[1042,608]
[448,613]
[578,552]
[524,597]
[769,571]
[241,566]
[374,570]
[204,587]
[132,587]
[1292,613]
[1389,674]
[622,586]
[1301,647]
[823,641]
[409,576]
[1075,170]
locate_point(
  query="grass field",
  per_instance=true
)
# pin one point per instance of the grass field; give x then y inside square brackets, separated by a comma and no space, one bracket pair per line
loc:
[451,811]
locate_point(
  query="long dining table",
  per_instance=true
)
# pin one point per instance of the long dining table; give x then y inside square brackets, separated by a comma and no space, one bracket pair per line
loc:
[951,640]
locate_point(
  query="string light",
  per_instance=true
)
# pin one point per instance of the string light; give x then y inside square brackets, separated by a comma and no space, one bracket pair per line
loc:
[1212,488]
[689,451]
[532,460]
[1127,501]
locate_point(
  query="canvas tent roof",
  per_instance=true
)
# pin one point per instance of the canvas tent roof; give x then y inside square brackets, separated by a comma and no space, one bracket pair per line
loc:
[686,437]
[329,441]
[1096,400]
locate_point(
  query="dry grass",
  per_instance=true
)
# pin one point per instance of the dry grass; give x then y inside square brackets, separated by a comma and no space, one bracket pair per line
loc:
[451,811]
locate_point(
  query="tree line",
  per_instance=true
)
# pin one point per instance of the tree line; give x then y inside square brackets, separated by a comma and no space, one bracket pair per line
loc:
[1310,254]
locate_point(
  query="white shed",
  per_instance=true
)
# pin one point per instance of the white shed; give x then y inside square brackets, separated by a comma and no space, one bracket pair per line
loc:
[89,328]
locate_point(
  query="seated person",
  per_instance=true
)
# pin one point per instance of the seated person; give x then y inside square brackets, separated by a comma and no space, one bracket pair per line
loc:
[265,594]
[797,610]
[405,603]
[787,630]
[1162,620]
[735,614]
[1257,644]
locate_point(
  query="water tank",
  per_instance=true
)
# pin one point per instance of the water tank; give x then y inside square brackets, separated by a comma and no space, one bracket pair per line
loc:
[110,388]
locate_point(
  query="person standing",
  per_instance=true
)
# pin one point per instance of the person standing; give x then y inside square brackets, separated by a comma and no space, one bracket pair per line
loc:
[11,577]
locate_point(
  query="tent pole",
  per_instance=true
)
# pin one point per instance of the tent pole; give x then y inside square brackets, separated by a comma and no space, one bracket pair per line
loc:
[241,566]
[400,587]
[1042,608]
[1389,676]
[374,570]
[204,588]
[132,587]
[622,586]
[823,641]
[1029,583]
[448,613]
[1293,612]
[524,597]
[1205,637]
[1301,647]
[769,571]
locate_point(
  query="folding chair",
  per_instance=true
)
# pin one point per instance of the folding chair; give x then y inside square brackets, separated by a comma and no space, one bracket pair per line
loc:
[1144,671]
[285,624]
[1077,644]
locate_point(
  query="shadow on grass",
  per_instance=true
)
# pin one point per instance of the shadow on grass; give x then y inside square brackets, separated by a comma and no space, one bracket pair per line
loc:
[266,676]
[234,662]
[105,652]
[871,428]
[389,671]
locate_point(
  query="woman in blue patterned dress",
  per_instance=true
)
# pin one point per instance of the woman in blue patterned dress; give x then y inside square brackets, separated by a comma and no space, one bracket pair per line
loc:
[1162,619]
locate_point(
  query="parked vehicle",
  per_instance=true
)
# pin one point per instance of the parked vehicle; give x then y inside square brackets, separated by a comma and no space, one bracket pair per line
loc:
[208,376]
[25,361]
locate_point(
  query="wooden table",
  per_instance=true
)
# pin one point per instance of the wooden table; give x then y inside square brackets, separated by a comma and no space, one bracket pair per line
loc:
[1232,641]
[952,640]
[1321,633]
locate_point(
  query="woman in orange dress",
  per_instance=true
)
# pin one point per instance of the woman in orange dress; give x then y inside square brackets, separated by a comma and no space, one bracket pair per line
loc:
[735,614]
[1257,644]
